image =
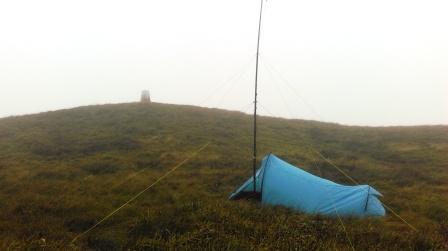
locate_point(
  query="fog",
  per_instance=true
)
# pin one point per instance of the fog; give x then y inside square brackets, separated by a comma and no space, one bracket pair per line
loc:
[352,62]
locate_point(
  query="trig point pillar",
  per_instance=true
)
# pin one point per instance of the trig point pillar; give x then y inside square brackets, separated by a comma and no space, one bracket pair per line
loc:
[145,98]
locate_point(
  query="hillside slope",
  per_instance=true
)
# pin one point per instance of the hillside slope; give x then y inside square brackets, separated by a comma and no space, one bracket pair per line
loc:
[62,171]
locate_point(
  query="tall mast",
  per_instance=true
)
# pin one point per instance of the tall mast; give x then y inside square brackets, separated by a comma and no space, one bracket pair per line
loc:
[255,102]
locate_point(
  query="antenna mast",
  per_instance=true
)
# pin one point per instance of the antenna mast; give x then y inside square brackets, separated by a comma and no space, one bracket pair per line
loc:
[255,102]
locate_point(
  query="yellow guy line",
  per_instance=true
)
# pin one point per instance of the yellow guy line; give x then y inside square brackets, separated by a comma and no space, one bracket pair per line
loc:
[140,193]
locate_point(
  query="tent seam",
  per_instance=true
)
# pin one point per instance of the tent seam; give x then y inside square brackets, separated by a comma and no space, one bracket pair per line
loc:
[367,200]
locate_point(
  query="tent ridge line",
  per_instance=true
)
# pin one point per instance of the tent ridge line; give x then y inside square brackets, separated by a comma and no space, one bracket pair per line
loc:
[268,161]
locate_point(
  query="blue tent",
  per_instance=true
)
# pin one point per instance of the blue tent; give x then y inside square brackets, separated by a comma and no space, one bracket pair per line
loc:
[280,183]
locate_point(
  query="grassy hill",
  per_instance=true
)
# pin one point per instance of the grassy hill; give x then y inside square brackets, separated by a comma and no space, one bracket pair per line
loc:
[62,171]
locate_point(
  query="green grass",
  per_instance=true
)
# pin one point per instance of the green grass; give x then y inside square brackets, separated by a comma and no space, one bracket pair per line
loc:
[60,172]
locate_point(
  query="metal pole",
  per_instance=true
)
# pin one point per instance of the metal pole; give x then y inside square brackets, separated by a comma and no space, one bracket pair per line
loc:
[255,102]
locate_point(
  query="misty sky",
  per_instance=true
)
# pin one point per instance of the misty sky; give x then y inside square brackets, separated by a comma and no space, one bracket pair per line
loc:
[354,62]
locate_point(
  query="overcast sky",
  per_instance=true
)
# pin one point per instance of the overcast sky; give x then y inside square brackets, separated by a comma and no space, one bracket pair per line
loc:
[354,62]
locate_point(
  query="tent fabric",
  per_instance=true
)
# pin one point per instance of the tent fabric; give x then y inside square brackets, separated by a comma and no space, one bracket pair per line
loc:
[281,183]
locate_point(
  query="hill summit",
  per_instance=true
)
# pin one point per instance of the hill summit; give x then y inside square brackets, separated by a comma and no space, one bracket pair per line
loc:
[62,171]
